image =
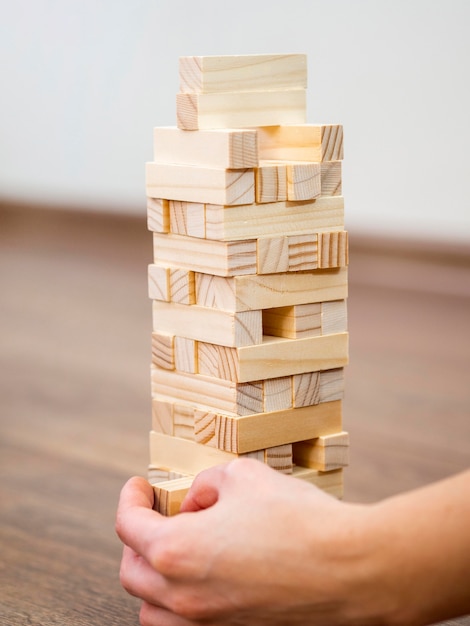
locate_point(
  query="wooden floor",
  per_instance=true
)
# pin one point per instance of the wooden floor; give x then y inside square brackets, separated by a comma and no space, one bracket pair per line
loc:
[75,328]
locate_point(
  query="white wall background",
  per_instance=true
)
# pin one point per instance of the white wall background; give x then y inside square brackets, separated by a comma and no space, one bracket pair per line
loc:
[83,82]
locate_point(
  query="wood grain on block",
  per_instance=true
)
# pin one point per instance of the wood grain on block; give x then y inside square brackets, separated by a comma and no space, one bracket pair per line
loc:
[280,458]
[162,417]
[244,293]
[334,317]
[301,142]
[158,218]
[331,179]
[196,111]
[303,181]
[187,218]
[299,320]
[332,385]
[274,219]
[270,182]
[325,453]
[277,356]
[163,350]
[303,252]
[185,351]
[184,456]
[277,394]
[273,255]
[210,325]
[315,387]
[207,393]
[330,482]
[204,427]
[157,475]
[218,361]
[221,258]
[182,288]
[200,184]
[333,249]
[169,496]
[224,148]
[248,72]
[159,282]
[183,421]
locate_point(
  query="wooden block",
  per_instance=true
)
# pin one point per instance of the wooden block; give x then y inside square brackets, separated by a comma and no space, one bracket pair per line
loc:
[277,394]
[334,317]
[272,255]
[331,385]
[277,356]
[303,181]
[162,417]
[158,219]
[207,393]
[280,458]
[266,430]
[184,456]
[300,320]
[325,453]
[183,421]
[243,293]
[270,182]
[187,218]
[163,350]
[200,184]
[330,482]
[276,219]
[218,361]
[209,74]
[182,289]
[333,249]
[301,142]
[209,325]
[303,252]
[221,258]
[162,474]
[159,283]
[315,387]
[224,148]
[169,495]
[185,351]
[240,109]
[331,179]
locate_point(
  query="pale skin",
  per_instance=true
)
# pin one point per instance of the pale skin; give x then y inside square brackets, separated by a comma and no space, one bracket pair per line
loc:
[254,547]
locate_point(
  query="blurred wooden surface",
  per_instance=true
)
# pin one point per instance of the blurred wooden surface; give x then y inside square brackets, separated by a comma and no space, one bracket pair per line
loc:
[75,328]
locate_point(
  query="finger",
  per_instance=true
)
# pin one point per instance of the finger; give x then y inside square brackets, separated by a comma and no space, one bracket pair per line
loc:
[140,579]
[205,490]
[151,615]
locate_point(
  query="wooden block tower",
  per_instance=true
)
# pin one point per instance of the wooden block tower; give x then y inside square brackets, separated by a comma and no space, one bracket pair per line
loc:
[249,279]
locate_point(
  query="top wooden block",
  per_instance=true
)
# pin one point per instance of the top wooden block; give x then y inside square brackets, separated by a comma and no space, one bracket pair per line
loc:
[259,72]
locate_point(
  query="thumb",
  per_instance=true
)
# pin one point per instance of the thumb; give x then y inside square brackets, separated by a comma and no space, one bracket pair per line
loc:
[205,490]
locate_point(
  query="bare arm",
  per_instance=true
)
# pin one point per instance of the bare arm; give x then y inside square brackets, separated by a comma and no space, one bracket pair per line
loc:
[256,547]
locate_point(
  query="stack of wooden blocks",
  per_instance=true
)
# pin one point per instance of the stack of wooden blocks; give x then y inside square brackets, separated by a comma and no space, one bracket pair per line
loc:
[249,280]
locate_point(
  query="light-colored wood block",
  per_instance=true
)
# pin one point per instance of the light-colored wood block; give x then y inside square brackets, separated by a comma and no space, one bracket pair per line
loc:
[183,421]
[161,474]
[277,356]
[184,456]
[207,393]
[315,387]
[303,181]
[331,385]
[221,258]
[301,142]
[330,482]
[257,455]
[334,317]
[204,427]
[277,394]
[187,218]
[162,417]
[270,182]
[224,148]
[185,351]
[218,361]
[209,74]
[196,111]
[163,350]
[325,453]
[331,178]
[280,458]
[159,282]
[273,255]
[169,495]
[158,218]
[333,249]
[276,219]
[303,252]
[182,289]
[210,325]
[200,184]
[300,320]
[242,293]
